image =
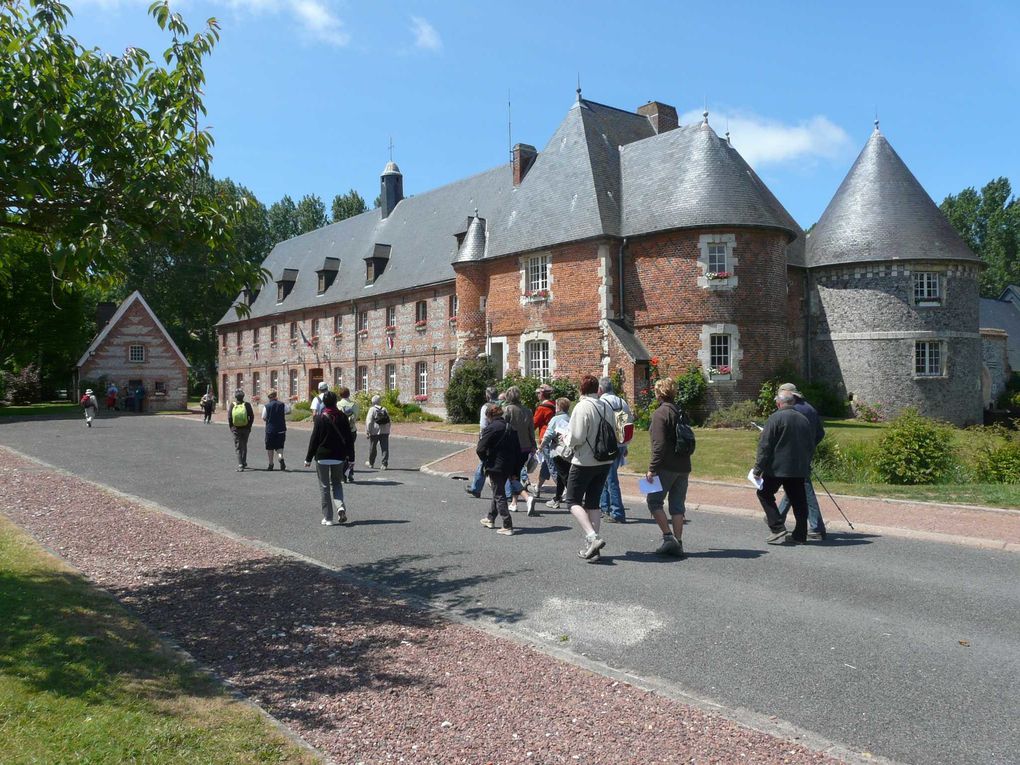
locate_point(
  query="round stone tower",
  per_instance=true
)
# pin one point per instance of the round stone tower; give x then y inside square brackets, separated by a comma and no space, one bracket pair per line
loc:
[894,295]
[472,286]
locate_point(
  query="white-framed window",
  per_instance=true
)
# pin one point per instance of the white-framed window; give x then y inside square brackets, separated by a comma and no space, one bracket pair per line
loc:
[273,331]
[928,358]
[454,306]
[421,311]
[717,257]
[537,277]
[719,353]
[927,287]
[315,328]
[136,353]
[717,261]
[240,381]
[255,336]
[292,390]
[391,377]
[274,380]
[391,316]
[256,384]
[338,324]
[338,377]
[362,378]
[293,330]
[536,359]
[421,378]
[363,321]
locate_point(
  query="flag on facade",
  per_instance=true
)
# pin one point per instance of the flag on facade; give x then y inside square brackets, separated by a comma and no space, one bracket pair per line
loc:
[304,339]
[389,342]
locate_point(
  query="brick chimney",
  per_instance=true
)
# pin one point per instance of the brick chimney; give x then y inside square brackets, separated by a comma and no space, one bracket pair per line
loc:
[104,312]
[524,158]
[662,116]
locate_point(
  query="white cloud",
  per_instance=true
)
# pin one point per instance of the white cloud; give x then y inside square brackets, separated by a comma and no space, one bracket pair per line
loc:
[764,141]
[320,22]
[425,35]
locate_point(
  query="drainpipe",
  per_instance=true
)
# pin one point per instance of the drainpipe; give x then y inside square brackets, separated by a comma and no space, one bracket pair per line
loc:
[357,335]
[619,276]
[807,325]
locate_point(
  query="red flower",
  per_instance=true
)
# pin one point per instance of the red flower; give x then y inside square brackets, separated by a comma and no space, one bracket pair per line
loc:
[655,361]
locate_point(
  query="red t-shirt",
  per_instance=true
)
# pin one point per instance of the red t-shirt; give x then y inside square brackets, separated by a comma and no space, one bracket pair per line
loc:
[544,412]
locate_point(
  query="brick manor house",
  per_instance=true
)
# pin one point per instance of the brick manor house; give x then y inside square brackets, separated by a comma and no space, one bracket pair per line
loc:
[629,237]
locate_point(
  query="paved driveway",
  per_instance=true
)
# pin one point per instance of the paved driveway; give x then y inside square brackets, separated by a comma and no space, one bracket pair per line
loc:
[858,639]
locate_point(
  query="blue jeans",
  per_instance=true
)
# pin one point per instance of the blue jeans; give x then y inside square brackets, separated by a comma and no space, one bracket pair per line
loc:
[814,513]
[611,501]
[478,481]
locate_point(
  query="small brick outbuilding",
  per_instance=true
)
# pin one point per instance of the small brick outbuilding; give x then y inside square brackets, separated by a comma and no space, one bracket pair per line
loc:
[133,349]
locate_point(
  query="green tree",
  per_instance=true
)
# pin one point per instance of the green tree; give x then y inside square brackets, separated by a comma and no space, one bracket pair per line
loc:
[989,222]
[310,213]
[348,205]
[102,153]
[283,224]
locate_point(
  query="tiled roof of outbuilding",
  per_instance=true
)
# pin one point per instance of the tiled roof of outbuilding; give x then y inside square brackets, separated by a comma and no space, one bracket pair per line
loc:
[881,212]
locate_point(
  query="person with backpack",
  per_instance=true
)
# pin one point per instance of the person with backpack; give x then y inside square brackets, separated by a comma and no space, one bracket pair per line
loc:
[474,488]
[593,439]
[377,426]
[317,403]
[499,450]
[544,412]
[90,406]
[554,443]
[522,421]
[332,448]
[672,443]
[274,414]
[611,501]
[350,409]
[240,418]
[208,404]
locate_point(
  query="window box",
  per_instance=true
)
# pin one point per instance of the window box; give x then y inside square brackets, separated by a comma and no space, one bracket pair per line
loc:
[391,330]
[714,276]
[421,398]
[453,321]
[421,325]
[536,296]
[363,333]
[720,373]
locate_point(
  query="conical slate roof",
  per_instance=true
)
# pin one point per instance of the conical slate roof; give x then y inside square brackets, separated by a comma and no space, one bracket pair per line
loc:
[881,213]
[473,246]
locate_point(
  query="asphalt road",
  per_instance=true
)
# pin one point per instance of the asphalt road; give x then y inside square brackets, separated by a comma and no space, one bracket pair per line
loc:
[857,639]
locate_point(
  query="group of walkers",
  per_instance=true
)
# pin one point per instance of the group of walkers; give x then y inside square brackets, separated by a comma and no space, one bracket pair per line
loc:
[582,450]
[134,401]
[579,449]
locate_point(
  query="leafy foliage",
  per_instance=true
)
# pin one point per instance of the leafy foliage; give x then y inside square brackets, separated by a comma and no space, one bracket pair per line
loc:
[103,153]
[348,205]
[915,450]
[466,392]
[738,415]
[22,387]
[866,412]
[989,222]
[283,223]
[821,396]
[690,388]
[528,386]
[998,460]
[310,214]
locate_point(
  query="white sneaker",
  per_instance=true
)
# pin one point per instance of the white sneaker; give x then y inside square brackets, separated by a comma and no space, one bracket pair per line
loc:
[368,464]
[328,522]
[531,506]
[592,547]
[513,506]
[554,504]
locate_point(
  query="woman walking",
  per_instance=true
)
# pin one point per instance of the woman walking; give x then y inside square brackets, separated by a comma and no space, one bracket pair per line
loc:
[332,447]
[377,425]
[672,466]
[274,414]
[208,404]
[521,420]
[500,454]
[557,434]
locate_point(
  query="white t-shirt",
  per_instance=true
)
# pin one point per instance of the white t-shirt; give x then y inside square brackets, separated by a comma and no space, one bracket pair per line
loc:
[317,406]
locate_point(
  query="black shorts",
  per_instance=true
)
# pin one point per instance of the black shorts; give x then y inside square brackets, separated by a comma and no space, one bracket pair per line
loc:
[584,485]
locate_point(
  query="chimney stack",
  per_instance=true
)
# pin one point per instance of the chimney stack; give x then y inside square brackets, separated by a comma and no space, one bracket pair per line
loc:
[391,188]
[662,116]
[104,312]
[524,157]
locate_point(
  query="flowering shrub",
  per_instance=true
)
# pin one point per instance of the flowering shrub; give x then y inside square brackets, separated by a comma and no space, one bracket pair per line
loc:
[713,275]
[391,329]
[536,294]
[866,412]
[421,324]
[421,397]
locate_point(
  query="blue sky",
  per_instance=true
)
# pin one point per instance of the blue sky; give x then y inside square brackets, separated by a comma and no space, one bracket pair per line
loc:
[303,95]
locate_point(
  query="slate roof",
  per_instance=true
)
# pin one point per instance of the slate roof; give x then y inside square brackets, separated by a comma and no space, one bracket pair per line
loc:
[603,173]
[881,212]
[1001,314]
[130,300]
[631,343]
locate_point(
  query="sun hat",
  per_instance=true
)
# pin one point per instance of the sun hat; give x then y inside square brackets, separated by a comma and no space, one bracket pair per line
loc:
[791,388]
[88,391]
[323,387]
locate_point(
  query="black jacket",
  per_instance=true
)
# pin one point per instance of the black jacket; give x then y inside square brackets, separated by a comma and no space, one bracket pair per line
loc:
[662,436]
[331,437]
[786,445]
[499,449]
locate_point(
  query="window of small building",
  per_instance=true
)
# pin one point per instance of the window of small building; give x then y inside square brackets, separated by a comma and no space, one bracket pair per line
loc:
[293,390]
[391,377]
[719,353]
[223,341]
[255,336]
[323,283]
[283,289]
[421,378]
[718,262]
[927,288]
[536,359]
[362,378]
[538,273]
[928,358]
[159,387]
[136,353]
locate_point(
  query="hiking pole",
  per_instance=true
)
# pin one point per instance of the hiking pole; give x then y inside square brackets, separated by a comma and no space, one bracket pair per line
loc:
[815,476]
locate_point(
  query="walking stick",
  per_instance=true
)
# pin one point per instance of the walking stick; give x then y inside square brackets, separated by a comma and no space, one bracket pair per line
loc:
[815,476]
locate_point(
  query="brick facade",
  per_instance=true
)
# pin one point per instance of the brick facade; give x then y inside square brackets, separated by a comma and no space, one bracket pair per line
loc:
[161,371]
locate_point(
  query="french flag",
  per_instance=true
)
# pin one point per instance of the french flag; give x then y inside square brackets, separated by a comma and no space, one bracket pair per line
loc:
[303,338]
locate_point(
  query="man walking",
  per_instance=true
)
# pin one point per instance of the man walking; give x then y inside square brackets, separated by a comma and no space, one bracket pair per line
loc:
[349,408]
[317,405]
[611,501]
[785,448]
[240,419]
[816,525]
[593,439]
[478,481]
[274,414]
[377,427]
[90,405]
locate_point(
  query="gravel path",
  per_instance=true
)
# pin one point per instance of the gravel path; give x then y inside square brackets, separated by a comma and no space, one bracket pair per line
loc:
[363,678]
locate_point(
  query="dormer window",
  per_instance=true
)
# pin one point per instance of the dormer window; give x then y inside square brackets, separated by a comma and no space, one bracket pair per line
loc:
[327,274]
[250,296]
[285,284]
[927,288]
[375,263]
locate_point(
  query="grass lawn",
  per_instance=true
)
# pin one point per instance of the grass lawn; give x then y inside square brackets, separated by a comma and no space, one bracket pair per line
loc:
[33,410]
[83,681]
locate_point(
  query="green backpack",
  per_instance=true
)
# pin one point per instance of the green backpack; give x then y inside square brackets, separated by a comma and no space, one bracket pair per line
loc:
[239,415]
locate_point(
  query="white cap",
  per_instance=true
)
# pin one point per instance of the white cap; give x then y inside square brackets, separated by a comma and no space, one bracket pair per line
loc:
[323,387]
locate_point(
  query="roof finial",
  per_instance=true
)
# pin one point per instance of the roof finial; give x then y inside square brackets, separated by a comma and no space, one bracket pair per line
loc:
[728,131]
[704,114]
[476,212]
[578,86]
[391,148]
[876,119]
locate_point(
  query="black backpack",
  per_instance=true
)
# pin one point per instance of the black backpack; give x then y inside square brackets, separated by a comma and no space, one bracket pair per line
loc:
[382,417]
[685,442]
[606,446]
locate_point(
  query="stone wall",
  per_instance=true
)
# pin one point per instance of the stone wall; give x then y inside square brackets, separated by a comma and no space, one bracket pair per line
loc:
[995,369]
[865,326]
[162,373]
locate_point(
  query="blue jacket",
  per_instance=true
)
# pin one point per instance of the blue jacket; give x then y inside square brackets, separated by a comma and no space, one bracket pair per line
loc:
[276,417]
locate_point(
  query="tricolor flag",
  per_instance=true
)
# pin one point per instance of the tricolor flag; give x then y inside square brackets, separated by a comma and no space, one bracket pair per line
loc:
[303,338]
[389,342]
